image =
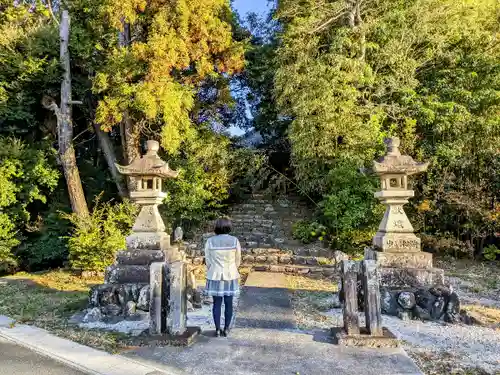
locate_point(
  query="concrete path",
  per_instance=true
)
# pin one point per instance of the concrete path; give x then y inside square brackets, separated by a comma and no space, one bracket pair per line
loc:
[16,360]
[34,345]
[264,303]
[274,346]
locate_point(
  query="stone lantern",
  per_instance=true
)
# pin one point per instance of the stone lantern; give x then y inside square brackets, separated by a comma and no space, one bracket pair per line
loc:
[397,249]
[148,280]
[148,241]
[148,172]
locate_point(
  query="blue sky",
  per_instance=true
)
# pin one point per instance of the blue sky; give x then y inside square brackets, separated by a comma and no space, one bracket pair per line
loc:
[245,6]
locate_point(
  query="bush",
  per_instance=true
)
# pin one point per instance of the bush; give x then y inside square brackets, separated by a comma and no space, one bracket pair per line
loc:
[308,232]
[349,209]
[96,240]
[491,252]
[447,246]
[8,262]
[27,176]
[45,245]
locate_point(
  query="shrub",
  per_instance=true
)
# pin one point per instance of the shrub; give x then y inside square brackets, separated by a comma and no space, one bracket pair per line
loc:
[308,232]
[27,176]
[349,209]
[45,244]
[95,240]
[444,245]
[491,252]
[7,241]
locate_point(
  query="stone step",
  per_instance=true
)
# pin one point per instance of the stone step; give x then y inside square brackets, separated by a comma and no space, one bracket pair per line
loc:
[256,244]
[123,274]
[140,257]
[250,232]
[313,272]
[265,258]
[261,251]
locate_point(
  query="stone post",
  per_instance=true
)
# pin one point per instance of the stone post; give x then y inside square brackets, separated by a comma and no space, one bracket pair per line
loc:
[350,271]
[158,302]
[177,315]
[373,334]
[371,290]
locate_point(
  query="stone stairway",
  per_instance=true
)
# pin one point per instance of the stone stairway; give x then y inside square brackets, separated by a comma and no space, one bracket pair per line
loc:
[264,228]
[265,223]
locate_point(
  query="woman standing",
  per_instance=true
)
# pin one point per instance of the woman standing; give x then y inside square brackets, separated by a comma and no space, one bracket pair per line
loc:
[223,257]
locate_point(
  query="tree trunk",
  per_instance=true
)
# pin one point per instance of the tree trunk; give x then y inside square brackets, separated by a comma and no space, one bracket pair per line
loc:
[65,127]
[130,133]
[106,146]
[362,36]
[110,156]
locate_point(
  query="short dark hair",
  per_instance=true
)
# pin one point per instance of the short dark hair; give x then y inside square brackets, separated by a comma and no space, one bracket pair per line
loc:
[223,226]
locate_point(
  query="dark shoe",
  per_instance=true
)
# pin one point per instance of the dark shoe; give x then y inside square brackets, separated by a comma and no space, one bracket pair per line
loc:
[217,333]
[225,333]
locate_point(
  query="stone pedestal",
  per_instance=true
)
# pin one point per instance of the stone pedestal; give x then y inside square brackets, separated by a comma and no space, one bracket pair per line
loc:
[177,307]
[402,270]
[144,248]
[168,304]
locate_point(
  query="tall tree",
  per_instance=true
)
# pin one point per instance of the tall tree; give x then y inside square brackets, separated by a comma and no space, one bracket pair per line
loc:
[175,47]
[65,124]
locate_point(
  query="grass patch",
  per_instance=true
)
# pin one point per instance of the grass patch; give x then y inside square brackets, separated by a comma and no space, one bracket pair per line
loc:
[296,282]
[487,316]
[48,299]
[485,273]
[310,298]
[441,363]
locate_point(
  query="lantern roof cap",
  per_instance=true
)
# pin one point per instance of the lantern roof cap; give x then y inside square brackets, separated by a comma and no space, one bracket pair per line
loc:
[395,163]
[149,164]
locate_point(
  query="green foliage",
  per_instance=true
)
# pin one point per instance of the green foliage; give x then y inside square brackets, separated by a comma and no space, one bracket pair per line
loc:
[426,71]
[8,240]
[28,67]
[95,240]
[26,177]
[245,167]
[44,243]
[204,178]
[491,252]
[446,245]
[348,207]
[308,232]
[156,80]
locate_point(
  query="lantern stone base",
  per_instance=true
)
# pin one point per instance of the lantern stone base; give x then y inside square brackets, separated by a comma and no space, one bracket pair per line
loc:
[405,269]
[143,249]
[127,273]
[401,259]
[410,277]
[165,339]
[397,242]
[148,241]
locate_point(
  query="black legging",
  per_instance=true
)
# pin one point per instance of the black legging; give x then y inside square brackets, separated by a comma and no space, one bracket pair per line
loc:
[228,311]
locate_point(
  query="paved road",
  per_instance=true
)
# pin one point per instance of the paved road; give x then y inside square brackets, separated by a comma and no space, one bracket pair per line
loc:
[265,303]
[17,360]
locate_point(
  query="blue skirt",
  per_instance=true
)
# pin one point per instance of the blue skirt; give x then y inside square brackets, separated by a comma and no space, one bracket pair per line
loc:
[221,288]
